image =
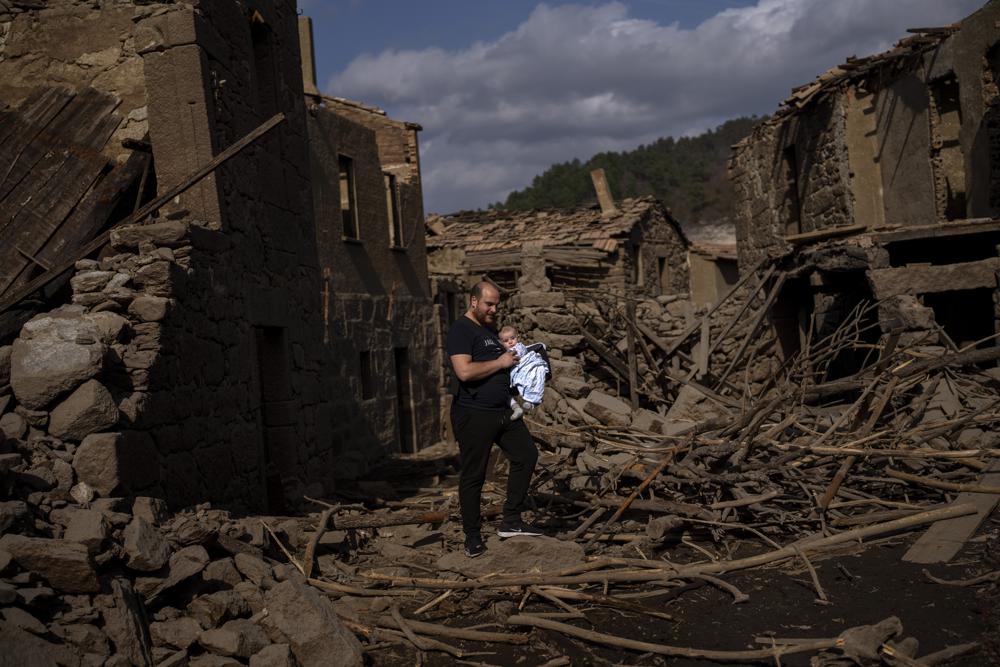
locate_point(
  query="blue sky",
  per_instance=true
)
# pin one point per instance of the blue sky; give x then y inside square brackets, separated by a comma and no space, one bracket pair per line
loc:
[505,88]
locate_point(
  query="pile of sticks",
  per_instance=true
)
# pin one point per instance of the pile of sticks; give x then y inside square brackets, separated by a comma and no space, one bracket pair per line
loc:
[803,466]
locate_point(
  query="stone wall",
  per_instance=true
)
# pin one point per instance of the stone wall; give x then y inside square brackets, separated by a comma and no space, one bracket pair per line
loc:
[377,305]
[909,139]
[65,42]
[238,372]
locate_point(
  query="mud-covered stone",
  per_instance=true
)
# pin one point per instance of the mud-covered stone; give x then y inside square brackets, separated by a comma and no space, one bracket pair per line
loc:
[89,409]
[240,638]
[148,308]
[65,565]
[299,616]
[253,568]
[178,633]
[89,528]
[116,461]
[55,354]
[211,610]
[609,410]
[145,546]
[275,655]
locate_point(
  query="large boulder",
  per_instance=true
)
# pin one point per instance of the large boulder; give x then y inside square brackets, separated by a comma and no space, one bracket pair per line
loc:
[116,461]
[299,616]
[64,564]
[89,409]
[54,354]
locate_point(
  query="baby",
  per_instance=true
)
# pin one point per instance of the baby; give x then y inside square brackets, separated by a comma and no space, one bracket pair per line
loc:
[528,376]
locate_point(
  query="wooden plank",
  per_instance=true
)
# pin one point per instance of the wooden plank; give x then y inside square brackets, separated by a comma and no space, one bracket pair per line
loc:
[701,365]
[826,233]
[9,300]
[19,152]
[73,162]
[935,278]
[944,539]
[91,215]
[633,368]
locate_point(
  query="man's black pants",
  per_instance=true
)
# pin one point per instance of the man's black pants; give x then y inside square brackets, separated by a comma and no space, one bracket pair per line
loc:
[476,431]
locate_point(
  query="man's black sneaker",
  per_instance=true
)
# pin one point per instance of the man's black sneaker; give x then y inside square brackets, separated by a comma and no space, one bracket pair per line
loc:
[474,546]
[515,528]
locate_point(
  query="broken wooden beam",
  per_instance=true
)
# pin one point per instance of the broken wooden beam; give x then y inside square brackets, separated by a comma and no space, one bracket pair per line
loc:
[41,281]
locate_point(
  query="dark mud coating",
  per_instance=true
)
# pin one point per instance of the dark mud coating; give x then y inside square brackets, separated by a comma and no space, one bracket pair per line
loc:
[864,586]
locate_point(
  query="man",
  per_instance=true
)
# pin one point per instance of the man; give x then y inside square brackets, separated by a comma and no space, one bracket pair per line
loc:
[481,416]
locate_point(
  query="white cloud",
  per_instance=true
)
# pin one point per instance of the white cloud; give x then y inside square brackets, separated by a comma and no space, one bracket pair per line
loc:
[573,80]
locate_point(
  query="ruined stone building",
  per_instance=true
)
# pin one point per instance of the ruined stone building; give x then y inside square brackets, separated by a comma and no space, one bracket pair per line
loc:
[880,181]
[379,320]
[257,340]
[637,247]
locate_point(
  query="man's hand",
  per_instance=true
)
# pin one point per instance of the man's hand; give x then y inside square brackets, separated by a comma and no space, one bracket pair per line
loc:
[508,359]
[468,370]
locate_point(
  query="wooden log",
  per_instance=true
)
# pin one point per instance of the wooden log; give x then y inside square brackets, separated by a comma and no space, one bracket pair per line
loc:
[536,621]
[940,484]
[632,496]
[437,630]
[633,369]
[845,467]
[654,570]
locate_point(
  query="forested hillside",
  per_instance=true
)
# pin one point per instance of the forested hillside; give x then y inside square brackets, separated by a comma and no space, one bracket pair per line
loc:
[687,174]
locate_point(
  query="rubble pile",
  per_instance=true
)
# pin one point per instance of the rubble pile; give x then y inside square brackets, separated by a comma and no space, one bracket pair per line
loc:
[88,580]
[802,467]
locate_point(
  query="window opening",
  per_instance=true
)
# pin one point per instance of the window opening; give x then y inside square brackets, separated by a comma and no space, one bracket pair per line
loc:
[392,208]
[367,375]
[348,209]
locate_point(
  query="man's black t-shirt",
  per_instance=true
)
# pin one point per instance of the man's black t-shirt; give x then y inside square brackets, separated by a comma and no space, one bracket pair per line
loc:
[482,344]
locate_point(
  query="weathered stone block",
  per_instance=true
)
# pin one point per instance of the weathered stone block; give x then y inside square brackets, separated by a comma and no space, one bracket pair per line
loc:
[149,308]
[13,425]
[111,461]
[89,528]
[170,233]
[43,368]
[571,386]
[240,637]
[153,510]
[64,564]
[90,281]
[179,633]
[275,655]
[556,341]
[539,300]
[145,546]
[557,323]
[89,409]
[299,616]
[12,514]
[609,410]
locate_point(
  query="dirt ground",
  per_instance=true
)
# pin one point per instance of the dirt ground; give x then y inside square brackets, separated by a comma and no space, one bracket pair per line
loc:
[864,585]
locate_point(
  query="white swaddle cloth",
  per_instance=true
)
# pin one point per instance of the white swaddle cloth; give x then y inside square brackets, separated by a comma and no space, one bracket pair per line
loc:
[528,376]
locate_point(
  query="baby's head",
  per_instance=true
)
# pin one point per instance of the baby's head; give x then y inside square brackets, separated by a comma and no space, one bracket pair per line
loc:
[508,336]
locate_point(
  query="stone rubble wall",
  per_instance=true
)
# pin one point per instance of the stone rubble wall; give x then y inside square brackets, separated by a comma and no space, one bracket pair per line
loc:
[581,380]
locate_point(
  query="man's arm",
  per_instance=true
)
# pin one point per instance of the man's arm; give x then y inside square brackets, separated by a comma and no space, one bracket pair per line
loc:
[468,370]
